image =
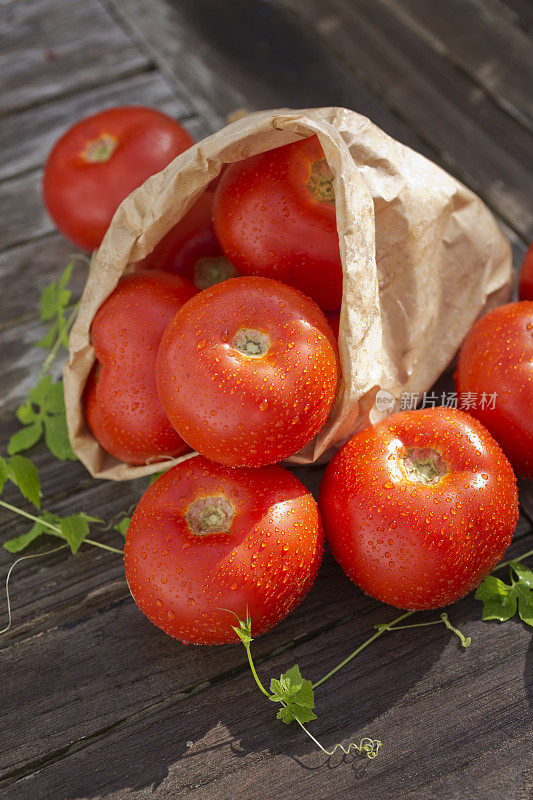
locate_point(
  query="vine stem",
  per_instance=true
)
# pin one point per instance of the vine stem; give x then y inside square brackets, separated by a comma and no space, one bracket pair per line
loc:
[49,360]
[55,529]
[8,576]
[380,632]
[254,673]
[513,560]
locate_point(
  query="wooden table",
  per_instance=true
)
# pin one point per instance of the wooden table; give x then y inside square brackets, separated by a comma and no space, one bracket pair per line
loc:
[98,703]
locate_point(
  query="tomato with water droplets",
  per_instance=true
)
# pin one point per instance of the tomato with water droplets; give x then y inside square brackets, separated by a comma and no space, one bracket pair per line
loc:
[122,407]
[419,509]
[206,540]
[275,216]
[495,370]
[100,160]
[247,371]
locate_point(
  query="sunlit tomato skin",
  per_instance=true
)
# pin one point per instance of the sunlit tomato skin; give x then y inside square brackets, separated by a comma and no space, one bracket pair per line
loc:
[122,407]
[100,160]
[247,371]
[192,249]
[275,216]
[525,280]
[206,540]
[419,509]
[497,359]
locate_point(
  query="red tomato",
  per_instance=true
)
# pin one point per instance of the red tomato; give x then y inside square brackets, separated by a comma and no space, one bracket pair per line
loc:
[206,540]
[99,161]
[192,249]
[418,510]
[496,366]
[275,216]
[122,407]
[247,371]
[334,322]
[525,281]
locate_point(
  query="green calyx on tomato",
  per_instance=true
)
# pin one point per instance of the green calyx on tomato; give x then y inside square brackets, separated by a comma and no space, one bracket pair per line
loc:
[320,182]
[210,515]
[424,465]
[100,150]
[251,343]
[210,270]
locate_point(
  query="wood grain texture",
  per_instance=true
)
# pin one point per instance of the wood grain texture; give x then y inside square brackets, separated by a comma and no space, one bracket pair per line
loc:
[54,47]
[476,140]
[446,716]
[479,38]
[27,137]
[521,11]
[249,54]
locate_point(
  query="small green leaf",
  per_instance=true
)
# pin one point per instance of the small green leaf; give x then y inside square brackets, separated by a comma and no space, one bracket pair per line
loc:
[523,573]
[75,530]
[24,474]
[47,397]
[295,694]
[26,414]
[4,473]
[122,526]
[49,338]
[25,437]
[525,603]
[49,302]
[56,438]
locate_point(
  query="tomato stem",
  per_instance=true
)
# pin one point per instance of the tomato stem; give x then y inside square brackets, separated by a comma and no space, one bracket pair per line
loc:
[254,673]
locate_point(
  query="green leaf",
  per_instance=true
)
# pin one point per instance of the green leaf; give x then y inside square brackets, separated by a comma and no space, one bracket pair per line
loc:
[19,543]
[4,473]
[501,600]
[56,438]
[296,696]
[122,526]
[24,474]
[523,573]
[49,338]
[25,437]
[244,631]
[75,530]
[44,411]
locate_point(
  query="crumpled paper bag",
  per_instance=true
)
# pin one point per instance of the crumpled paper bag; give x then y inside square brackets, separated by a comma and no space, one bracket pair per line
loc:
[422,259]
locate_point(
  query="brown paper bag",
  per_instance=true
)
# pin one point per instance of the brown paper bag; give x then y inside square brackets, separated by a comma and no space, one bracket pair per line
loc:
[422,258]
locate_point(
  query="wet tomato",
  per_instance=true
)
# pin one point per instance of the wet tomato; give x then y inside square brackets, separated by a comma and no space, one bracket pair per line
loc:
[418,510]
[525,280]
[100,160]
[247,371]
[495,374]
[275,216]
[192,249]
[206,540]
[122,407]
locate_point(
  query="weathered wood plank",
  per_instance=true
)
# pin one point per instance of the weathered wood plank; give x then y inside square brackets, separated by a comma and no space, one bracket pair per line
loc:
[132,666]
[475,139]
[438,709]
[54,47]
[248,54]
[22,210]
[479,38]
[521,11]
[27,137]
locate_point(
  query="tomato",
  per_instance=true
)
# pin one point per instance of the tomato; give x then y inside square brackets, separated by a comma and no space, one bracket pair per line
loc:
[206,540]
[192,249]
[495,379]
[99,161]
[525,280]
[122,407]
[418,510]
[247,371]
[275,216]
[334,322]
